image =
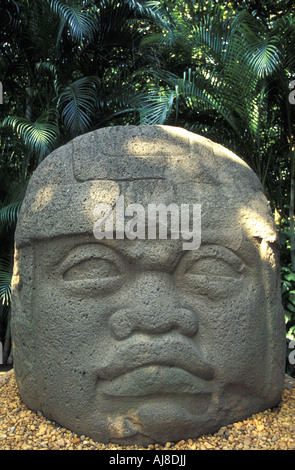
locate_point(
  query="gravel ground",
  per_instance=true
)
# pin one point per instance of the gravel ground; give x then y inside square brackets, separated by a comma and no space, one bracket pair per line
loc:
[23,429]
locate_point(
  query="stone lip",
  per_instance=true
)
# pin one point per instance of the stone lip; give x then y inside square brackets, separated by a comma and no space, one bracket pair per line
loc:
[170,350]
[155,379]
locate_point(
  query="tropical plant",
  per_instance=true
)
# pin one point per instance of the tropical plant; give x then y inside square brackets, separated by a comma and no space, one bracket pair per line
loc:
[236,84]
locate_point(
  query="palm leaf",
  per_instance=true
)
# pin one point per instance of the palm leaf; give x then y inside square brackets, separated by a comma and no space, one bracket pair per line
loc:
[5,280]
[81,23]
[39,136]
[259,46]
[77,102]
[9,214]
[264,56]
[9,16]
[156,107]
[196,91]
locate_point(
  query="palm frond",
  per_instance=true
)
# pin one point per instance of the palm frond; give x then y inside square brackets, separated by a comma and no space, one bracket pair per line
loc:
[264,56]
[77,103]
[156,107]
[9,19]
[5,280]
[76,16]
[259,46]
[196,91]
[211,33]
[39,136]
[9,214]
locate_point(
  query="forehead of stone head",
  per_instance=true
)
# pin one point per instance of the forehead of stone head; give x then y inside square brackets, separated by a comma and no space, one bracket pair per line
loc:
[147,164]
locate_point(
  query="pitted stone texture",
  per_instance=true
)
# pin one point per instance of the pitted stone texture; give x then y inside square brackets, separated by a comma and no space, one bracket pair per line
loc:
[139,341]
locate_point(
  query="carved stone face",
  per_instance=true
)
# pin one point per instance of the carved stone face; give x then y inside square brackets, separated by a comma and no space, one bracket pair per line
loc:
[140,341]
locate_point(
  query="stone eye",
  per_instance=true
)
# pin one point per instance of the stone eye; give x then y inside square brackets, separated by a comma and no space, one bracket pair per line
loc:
[94,268]
[211,267]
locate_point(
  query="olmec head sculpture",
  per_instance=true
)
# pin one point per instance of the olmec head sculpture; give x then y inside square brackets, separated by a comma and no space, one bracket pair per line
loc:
[138,340]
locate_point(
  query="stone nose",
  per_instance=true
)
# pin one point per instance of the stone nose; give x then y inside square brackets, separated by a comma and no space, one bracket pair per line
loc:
[154,308]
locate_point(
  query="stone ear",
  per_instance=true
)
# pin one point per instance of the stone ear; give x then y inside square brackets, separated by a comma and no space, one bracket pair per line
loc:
[276,331]
[22,325]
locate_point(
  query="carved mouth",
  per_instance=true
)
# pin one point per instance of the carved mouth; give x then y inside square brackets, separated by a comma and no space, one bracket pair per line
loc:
[155,379]
[172,351]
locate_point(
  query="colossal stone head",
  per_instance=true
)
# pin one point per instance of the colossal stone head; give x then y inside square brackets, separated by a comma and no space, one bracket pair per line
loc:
[138,339]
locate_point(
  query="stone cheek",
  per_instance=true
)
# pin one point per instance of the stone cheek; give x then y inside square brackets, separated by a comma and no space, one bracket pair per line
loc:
[137,340]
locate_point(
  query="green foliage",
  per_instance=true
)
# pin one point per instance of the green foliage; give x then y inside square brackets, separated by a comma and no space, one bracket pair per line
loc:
[9,214]
[77,102]
[77,16]
[5,279]
[40,136]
